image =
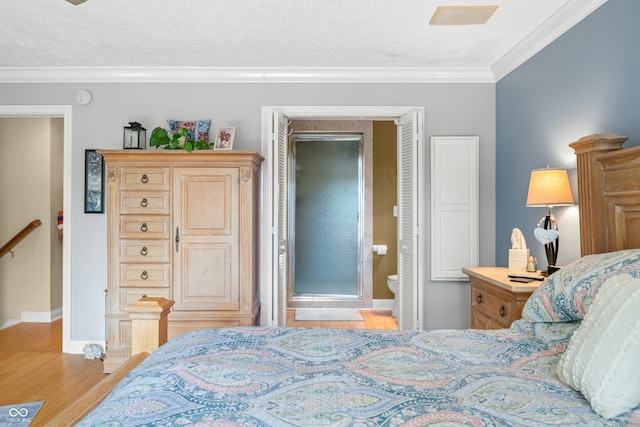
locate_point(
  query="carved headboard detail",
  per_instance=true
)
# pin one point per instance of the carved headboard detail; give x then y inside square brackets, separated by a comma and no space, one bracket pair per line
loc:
[608,193]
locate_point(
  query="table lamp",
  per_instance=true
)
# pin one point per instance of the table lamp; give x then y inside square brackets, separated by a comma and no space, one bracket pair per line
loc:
[549,187]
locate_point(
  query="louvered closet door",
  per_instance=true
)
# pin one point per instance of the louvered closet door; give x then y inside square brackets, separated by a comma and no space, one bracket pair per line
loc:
[408,139]
[280,188]
[205,239]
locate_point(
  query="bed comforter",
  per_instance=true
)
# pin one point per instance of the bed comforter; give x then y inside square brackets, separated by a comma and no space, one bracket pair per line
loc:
[334,377]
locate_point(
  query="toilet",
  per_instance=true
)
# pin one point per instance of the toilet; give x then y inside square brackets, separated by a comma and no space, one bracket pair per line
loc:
[392,283]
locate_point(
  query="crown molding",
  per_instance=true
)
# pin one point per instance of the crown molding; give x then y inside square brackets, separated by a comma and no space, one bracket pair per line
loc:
[244,75]
[559,23]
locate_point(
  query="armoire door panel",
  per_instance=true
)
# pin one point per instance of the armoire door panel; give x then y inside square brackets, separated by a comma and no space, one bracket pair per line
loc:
[207,200]
[206,278]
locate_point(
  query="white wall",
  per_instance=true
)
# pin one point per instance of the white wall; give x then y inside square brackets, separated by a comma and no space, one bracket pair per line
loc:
[451,109]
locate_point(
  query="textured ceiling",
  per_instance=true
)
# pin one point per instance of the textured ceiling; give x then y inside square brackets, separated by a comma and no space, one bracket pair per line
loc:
[106,39]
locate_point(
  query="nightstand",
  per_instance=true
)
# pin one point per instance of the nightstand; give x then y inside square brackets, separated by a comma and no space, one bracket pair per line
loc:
[495,300]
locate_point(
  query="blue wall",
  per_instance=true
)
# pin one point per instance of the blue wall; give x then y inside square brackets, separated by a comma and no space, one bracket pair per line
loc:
[585,82]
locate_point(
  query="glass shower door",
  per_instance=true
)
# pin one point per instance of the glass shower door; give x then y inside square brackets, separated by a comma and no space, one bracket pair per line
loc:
[325,230]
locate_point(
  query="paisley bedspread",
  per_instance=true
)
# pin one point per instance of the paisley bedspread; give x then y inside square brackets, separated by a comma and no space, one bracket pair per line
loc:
[337,377]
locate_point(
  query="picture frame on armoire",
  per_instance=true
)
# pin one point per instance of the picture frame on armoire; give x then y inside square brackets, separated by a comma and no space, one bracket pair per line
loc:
[93,182]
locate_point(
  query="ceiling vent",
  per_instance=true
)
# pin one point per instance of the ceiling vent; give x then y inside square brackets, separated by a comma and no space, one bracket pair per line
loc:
[462,15]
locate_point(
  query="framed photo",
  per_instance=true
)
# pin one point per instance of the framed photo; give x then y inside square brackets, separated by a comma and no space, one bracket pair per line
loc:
[224,138]
[93,182]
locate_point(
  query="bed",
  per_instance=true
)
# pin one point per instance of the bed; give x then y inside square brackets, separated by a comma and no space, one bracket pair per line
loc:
[574,358]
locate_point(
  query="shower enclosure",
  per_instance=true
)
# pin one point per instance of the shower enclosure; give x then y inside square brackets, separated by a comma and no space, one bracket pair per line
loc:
[325,216]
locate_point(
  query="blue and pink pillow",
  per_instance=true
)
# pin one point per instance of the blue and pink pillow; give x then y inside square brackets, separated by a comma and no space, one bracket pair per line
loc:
[567,294]
[196,130]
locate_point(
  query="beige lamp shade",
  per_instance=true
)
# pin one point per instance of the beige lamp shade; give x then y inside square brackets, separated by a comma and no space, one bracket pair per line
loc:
[549,187]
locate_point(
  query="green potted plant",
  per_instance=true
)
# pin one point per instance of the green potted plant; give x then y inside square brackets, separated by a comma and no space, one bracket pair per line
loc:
[160,138]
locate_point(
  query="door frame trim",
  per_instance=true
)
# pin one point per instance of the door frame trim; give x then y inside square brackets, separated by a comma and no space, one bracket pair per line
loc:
[268,294]
[65,112]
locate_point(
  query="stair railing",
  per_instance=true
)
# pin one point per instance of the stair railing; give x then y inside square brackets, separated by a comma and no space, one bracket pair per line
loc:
[18,237]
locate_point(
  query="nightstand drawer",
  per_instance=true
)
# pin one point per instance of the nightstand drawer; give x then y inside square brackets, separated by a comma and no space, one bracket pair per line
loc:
[496,302]
[492,305]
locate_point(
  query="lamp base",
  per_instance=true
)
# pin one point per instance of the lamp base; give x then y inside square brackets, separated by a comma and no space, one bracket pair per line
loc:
[550,270]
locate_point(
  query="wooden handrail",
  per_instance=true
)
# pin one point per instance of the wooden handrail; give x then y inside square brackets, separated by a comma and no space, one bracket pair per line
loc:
[21,235]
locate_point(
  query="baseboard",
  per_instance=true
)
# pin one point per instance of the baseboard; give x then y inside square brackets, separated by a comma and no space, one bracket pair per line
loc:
[41,316]
[9,323]
[383,304]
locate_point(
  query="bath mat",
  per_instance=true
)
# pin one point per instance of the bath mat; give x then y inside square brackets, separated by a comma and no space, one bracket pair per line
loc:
[20,414]
[327,314]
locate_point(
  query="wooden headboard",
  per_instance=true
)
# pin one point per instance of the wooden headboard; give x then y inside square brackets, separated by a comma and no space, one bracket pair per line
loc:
[608,193]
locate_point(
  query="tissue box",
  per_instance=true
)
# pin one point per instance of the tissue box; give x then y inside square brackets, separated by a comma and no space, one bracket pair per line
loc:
[518,259]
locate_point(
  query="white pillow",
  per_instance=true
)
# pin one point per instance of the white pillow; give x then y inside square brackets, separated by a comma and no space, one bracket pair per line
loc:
[602,360]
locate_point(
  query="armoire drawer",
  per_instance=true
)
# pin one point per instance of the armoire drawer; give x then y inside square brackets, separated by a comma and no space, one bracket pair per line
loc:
[146,202]
[144,227]
[145,275]
[144,178]
[130,295]
[145,251]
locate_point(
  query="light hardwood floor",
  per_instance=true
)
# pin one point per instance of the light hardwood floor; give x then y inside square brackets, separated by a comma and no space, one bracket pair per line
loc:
[33,368]
[371,319]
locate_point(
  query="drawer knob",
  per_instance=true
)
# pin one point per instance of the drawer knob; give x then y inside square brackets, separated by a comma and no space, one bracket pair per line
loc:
[503,310]
[144,178]
[144,251]
[144,228]
[144,275]
[479,298]
[144,203]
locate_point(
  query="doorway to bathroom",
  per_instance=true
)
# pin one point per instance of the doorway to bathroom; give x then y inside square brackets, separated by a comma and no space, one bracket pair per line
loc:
[275,246]
[325,218]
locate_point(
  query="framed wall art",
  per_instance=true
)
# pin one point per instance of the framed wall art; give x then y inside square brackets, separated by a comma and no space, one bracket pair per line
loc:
[93,182]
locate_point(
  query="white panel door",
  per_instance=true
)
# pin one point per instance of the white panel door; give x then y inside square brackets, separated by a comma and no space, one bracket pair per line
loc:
[455,206]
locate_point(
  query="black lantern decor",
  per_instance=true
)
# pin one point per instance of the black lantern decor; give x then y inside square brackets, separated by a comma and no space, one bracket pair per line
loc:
[135,136]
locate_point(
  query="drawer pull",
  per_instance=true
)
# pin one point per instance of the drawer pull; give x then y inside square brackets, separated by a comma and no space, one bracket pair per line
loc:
[503,310]
[144,275]
[479,298]
[144,203]
[144,228]
[177,239]
[144,251]
[144,178]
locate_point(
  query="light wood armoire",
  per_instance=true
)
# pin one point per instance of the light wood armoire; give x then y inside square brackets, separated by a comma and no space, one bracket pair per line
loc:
[183,226]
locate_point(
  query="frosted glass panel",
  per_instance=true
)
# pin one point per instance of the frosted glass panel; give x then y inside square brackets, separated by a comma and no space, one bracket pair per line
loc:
[326,217]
